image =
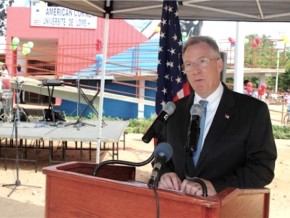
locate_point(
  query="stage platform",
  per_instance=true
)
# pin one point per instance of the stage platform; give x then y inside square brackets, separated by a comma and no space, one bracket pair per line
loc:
[35,136]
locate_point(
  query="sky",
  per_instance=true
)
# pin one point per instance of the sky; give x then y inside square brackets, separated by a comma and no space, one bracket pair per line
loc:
[224,30]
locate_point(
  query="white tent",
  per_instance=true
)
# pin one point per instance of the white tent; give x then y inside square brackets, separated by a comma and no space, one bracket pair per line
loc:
[219,10]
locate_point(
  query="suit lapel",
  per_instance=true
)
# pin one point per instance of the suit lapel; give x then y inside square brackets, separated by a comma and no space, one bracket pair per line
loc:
[221,119]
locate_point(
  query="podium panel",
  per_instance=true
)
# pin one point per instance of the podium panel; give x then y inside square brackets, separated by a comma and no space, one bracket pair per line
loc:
[72,191]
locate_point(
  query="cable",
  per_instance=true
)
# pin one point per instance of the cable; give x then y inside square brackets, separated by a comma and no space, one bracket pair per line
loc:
[156,202]
[122,162]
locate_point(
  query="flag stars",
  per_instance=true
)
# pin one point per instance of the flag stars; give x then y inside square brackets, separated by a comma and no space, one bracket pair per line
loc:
[164,22]
[169,64]
[172,51]
[174,37]
[170,75]
[165,8]
[178,80]
[164,91]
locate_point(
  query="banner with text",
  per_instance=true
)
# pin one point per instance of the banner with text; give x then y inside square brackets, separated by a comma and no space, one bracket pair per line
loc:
[60,17]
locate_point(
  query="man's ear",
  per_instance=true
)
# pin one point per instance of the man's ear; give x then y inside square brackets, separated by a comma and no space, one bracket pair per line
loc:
[220,65]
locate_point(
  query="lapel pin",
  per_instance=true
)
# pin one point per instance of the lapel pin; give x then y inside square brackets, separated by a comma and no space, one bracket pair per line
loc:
[227,116]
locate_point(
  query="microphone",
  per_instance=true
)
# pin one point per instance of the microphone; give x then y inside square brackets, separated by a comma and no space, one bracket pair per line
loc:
[158,124]
[162,153]
[193,128]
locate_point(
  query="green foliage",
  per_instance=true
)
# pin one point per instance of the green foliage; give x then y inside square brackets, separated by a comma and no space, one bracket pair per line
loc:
[261,55]
[139,125]
[281,132]
[265,55]
[284,81]
[142,125]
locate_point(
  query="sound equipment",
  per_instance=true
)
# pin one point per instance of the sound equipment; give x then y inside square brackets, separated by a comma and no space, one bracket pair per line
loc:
[51,115]
[23,115]
[52,82]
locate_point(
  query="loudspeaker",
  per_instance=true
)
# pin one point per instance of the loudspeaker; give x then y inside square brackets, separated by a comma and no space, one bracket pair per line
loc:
[58,115]
[23,115]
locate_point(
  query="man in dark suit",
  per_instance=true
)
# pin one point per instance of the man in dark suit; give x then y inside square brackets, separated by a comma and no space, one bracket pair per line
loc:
[238,148]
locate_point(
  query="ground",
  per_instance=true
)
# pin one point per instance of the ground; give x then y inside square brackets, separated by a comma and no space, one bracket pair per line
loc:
[28,199]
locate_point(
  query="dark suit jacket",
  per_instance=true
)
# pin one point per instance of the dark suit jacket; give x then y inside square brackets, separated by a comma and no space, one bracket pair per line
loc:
[239,149]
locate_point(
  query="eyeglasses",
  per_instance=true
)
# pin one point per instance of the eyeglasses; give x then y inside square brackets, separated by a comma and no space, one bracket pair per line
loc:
[200,63]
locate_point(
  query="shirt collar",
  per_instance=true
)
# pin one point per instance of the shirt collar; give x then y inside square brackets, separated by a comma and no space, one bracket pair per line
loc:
[212,98]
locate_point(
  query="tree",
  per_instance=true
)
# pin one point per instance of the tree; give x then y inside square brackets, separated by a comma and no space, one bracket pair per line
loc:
[260,52]
[284,79]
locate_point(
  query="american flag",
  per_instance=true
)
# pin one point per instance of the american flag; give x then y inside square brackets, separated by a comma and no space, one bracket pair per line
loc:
[171,82]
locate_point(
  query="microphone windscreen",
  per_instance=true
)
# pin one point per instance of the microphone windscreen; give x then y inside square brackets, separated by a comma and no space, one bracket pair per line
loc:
[196,110]
[165,149]
[169,108]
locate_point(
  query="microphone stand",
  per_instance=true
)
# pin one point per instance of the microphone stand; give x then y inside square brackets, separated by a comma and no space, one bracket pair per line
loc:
[15,130]
[122,162]
[79,123]
[190,146]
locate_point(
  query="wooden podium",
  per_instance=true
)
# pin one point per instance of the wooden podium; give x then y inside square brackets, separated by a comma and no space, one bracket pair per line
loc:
[72,191]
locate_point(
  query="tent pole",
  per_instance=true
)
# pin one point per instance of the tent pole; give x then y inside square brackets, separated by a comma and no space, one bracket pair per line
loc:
[239,59]
[102,88]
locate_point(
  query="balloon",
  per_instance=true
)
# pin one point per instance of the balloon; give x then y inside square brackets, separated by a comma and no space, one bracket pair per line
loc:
[14,47]
[257,41]
[30,44]
[263,86]
[254,44]
[27,50]
[249,84]
[261,92]
[285,39]
[232,42]
[24,52]
[157,29]
[249,87]
[183,36]
[15,41]
[99,44]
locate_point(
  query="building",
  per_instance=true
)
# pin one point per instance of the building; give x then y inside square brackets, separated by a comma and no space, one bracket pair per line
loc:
[69,51]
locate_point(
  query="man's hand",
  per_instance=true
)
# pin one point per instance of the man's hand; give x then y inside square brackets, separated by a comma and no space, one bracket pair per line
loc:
[193,188]
[170,181]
